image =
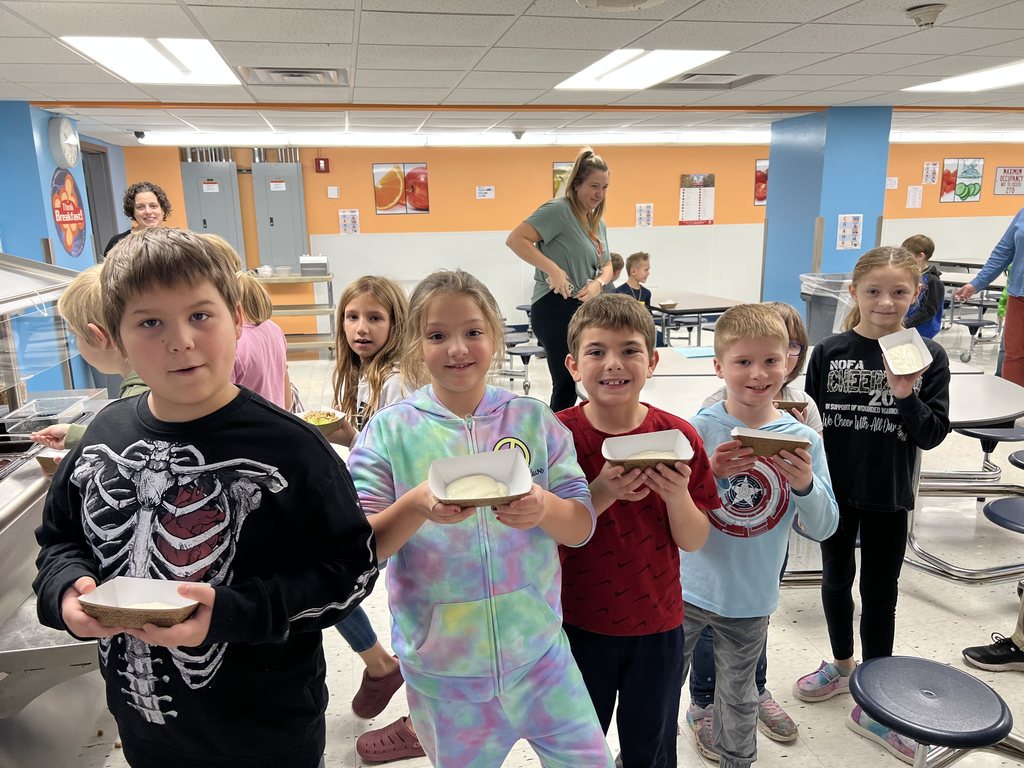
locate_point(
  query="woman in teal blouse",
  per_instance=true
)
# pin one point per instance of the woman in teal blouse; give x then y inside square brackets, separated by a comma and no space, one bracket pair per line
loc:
[567,243]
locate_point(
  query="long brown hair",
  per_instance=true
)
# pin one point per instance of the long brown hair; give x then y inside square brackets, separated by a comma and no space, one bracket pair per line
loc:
[885,256]
[445,283]
[586,163]
[797,333]
[349,366]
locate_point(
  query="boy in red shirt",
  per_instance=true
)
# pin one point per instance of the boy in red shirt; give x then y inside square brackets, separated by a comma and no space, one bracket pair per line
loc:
[621,595]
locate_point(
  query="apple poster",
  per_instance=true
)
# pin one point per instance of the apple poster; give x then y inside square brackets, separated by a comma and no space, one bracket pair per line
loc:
[760,182]
[400,188]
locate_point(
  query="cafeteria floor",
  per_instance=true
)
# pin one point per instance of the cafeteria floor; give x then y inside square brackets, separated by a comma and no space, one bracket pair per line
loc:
[935,619]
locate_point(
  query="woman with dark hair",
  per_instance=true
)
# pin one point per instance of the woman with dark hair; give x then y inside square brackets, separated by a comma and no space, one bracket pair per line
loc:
[146,205]
[567,243]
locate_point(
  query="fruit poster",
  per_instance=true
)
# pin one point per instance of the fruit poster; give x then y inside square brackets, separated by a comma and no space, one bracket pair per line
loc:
[559,175]
[400,188]
[696,198]
[961,180]
[760,182]
[68,213]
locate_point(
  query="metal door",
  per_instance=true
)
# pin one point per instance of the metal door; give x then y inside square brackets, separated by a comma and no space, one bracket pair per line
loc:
[280,213]
[211,201]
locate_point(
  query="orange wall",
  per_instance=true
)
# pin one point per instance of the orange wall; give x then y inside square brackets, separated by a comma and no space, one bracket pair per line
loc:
[906,162]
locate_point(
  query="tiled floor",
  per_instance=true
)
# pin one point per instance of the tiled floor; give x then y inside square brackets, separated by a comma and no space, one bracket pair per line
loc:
[935,619]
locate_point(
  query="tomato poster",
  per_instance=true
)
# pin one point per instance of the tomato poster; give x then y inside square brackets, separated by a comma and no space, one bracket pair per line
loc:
[68,214]
[400,188]
[961,180]
[559,175]
[760,182]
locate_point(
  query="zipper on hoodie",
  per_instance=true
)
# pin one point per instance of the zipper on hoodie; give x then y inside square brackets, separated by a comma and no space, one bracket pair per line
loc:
[485,549]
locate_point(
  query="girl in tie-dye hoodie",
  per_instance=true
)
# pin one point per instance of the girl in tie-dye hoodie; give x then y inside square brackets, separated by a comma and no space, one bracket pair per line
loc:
[475,593]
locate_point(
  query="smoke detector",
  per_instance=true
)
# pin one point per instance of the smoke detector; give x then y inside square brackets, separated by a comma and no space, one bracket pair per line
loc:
[617,5]
[925,15]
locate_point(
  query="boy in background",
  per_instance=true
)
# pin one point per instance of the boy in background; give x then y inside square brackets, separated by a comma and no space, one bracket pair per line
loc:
[617,265]
[81,307]
[621,597]
[925,314]
[206,483]
[732,583]
[638,269]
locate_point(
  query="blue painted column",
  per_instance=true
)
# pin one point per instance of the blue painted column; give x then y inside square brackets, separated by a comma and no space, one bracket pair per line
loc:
[824,164]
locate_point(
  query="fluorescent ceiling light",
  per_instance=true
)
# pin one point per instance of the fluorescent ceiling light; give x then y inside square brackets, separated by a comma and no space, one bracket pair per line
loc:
[165,60]
[985,80]
[633,69]
[956,137]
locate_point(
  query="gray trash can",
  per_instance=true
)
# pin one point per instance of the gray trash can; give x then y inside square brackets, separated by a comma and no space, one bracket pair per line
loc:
[828,300]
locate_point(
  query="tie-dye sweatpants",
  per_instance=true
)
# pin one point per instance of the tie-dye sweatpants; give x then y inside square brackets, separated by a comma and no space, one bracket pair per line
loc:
[549,708]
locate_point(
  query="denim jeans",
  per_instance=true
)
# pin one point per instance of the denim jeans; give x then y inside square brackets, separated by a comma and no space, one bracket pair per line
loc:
[357,631]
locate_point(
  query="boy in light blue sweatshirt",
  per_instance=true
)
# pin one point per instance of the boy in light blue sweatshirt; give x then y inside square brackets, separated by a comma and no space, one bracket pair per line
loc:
[731,584]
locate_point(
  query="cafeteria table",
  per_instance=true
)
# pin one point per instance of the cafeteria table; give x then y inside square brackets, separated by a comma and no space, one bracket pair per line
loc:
[974,401]
[688,303]
[968,262]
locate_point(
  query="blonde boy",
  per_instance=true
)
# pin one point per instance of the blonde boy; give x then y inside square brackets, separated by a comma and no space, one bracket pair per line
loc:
[732,583]
[81,306]
[625,628]
[638,269]
[205,483]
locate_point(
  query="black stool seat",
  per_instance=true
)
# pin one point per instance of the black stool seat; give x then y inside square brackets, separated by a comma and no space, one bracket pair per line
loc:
[1007,513]
[993,434]
[973,324]
[1017,459]
[930,702]
[526,352]
[511,339]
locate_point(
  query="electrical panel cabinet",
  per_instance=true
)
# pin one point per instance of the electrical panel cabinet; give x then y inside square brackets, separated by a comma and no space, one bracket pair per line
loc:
[280,213]
[212,203]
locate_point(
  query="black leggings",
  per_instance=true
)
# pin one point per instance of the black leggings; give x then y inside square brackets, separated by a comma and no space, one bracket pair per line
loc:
[883,542]
[550,316]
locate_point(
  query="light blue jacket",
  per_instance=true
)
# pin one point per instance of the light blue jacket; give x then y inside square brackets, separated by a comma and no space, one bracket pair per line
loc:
[1009,252]
[736,573]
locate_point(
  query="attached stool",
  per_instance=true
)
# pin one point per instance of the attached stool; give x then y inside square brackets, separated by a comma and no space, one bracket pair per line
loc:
[938,706]
[524,352]
[973,326]
[990,437]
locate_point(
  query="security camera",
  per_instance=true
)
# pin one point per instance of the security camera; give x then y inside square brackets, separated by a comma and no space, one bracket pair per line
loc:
[925,15]
[518,134]
[140,134]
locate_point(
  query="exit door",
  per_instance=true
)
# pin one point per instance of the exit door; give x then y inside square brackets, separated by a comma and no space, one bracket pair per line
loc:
[211,201]
[280,212]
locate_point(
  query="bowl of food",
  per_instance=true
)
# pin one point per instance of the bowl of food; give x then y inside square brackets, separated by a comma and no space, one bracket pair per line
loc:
[480,479]
[768,443]
[125,601]
[647,450]
[905,352]
[670,304]
[327,420]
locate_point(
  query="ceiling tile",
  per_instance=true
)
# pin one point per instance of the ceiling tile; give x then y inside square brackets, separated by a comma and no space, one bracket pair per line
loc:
[90,92]
[449,6]
[868,63]
[36,51]
[802,82]
[562,8]
[298,4]
[596,98]
[410,114]
[945,39]
[522,80]
[947,66]
[274,25]
[58,73]
[13,26]
[537,60]
[744,63]
[143,120]
[101,18]
[399,95]
[491,96]
[529,122]
[405,78]
[586,34]
[311,55]
[894,13]
[834,38]
[667,97]
[749,98]
[208,93]
[801,11]
[823,99]
[712,35]
[13,91]
[1011,49]
[430,29]
[309,93]
[425,56]
[1009,16]
[881,83]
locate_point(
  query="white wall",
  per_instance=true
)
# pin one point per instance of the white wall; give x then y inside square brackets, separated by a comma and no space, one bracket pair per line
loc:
[721,260]
[972,236]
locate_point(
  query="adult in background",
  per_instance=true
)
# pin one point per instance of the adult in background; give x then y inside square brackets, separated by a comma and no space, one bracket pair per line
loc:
[146,205]
[1009,252]
[567,243]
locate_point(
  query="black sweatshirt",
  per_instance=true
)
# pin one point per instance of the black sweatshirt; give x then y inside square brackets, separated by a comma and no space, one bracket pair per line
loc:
[929,303]
[248,499]
[871,439]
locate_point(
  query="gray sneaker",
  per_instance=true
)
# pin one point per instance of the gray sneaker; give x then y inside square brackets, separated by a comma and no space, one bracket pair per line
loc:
[773,721]
[701,722]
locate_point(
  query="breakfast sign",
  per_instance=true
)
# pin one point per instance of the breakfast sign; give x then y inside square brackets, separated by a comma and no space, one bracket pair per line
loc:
[68,213]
